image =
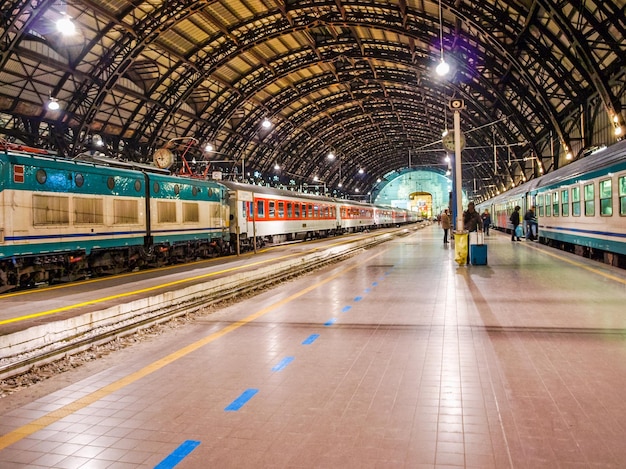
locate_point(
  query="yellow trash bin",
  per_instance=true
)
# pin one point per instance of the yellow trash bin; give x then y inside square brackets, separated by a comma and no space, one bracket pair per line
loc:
[461,247]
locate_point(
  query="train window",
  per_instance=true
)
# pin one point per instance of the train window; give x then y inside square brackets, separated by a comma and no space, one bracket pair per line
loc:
[326,211]
[548,201]
[125,212]
[540,205]
[281,209]
[110,183]
[156,187]
[289,210]
[79,180]
[576,201]
[297,209]
[565,203]
[195,191]
[50,210]
[247,210]
[176,189]
[191,213]
[316,211]
[260,208]
[555,203]
[137,185]
[41,176]
[310,211]
[88,211]
[590,203]
[606,198]
[167,212]
[622,195]
[271,210]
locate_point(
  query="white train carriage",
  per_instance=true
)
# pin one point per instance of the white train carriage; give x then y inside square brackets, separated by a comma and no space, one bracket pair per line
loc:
[356,216]
[277,215]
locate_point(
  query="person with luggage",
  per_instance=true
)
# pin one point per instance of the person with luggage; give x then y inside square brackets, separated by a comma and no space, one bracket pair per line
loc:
[471,218]
[486,218]
[531,224]
[515,221]
[445,225]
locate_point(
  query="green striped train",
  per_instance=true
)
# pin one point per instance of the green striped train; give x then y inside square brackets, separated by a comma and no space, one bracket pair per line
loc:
[63,219]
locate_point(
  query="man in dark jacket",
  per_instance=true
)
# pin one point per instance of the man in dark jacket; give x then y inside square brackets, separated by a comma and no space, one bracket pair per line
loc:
[515,219]
[471,218]
[531,224]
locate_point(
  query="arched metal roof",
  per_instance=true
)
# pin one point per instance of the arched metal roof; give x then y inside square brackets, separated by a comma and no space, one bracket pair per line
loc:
[539,79]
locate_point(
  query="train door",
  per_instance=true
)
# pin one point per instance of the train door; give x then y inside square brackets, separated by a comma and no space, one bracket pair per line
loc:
[242,221]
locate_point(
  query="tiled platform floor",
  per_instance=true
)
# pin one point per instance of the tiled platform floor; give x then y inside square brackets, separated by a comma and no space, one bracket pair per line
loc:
[398,358]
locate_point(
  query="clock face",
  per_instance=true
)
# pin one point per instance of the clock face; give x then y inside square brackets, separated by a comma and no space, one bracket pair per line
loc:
[163,158]
[448,141]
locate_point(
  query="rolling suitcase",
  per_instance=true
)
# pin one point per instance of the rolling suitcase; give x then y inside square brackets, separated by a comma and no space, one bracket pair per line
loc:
[478,251]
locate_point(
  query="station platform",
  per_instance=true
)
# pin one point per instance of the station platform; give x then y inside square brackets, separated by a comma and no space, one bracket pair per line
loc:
[395,358]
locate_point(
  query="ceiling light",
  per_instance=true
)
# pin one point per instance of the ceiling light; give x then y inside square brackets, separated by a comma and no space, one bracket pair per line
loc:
[443,68]
[331,156]
[53,104]
[66,26]
[266,124]
[208,148]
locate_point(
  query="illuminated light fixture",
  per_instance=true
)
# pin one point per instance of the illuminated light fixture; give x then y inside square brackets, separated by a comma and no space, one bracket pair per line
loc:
[447,159]
[53,104]
[568,156]
[331,156]
[618,130]
[340,184]
[444,133]
[66,26]
[448,172]
[208,148]
[316,179]
[356,190]
[361,170]
[276,166]
[443,68]
[266,124]
[97,141]
[378,180]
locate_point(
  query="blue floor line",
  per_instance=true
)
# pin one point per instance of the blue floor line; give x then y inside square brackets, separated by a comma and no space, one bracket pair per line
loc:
[310,339]
[346,308]
[283,363]
[330,322]
[178,455]
[241,400]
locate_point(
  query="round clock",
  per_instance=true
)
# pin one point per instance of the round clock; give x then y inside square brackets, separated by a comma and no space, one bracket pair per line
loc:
[163,158]
[448,141]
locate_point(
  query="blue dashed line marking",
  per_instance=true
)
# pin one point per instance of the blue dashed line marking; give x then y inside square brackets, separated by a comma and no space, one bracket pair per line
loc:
[310,339]
[178,455]
[241,400]
[345,309]
[358,298]
[367,290]
[283,363]
[374,284]
[330,322]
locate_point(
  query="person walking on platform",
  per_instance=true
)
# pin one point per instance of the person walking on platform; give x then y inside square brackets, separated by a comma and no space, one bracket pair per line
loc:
[471,218]
[531,224]
[515,220]
[486,218]
[445,225]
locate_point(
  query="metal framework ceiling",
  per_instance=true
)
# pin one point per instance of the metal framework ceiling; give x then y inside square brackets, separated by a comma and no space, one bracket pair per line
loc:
[539,79]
